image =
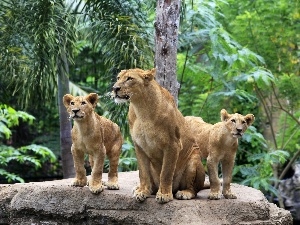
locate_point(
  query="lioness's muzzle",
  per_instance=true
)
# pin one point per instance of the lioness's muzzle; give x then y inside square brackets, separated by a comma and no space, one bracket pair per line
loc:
[116,89]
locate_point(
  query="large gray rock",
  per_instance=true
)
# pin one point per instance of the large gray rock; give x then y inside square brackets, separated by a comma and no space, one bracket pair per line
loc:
[56,202]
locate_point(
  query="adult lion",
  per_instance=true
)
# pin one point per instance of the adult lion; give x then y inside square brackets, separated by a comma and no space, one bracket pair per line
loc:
[219,143]
[168,157]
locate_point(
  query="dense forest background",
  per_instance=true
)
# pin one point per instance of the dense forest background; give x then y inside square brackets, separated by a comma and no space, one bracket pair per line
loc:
[243,56]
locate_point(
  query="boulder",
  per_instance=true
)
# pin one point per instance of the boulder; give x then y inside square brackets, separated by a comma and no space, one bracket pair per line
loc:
[56,202]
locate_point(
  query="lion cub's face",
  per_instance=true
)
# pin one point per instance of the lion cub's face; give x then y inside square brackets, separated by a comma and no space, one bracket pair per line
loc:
[237,123]
[130,83]
[80,106]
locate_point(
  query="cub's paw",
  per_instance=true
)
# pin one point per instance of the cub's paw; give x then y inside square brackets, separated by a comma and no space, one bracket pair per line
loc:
[184,195]
[139,195]
[95,186]
[79,182]
[163,198]
[112,186]
[229,195]
[96,189]
[214,196]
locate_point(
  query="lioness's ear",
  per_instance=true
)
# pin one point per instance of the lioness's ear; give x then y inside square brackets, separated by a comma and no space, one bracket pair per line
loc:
[224,115]
[249,119]
[67,99]
[93,99]
[153,72]
[149,74]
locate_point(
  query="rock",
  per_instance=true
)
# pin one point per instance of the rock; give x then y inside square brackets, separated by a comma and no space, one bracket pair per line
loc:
[56,202]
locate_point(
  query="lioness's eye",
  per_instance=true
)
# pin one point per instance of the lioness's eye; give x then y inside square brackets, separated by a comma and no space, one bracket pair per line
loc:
[72,103]
[129,78]
[233,120]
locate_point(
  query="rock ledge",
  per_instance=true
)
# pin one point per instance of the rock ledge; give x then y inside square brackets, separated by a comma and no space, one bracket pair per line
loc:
[56,202]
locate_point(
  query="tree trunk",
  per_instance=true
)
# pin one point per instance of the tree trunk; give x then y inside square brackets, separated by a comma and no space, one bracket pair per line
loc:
[65,124]
[166,38]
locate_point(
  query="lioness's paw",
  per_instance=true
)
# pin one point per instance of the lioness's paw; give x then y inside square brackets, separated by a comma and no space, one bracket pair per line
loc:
[184,195]
[79,183]
[229,195]
[96,189]
[214,196]
[140,196]
[163,198]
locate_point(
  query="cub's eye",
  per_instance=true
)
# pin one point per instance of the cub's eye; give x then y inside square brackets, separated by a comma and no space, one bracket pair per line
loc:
[72,103]
[233,120]
[129,78]
[83,103]
[243,122]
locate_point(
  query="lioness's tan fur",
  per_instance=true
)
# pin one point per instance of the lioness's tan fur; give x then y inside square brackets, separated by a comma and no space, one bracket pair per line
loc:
[96,136]
[219,143]
[168,157]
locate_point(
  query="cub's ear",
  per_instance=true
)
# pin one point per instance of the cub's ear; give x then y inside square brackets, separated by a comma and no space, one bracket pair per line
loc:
[67,99]
[249,119]
[93,99]
[149,74]
[224,115]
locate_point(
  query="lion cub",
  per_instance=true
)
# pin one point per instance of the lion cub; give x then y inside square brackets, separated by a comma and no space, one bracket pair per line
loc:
[96,136]
[219,143]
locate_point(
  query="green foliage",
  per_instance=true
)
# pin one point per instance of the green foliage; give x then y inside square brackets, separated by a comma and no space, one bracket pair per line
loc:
[289,89]
[127,160]
[228,71]
[289,133]
[269,28]
[260,174]
[32,36]
[9,117]
[32,154]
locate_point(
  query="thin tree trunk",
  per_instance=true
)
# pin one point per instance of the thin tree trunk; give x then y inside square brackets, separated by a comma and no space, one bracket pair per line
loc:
[65,124]
[166,38]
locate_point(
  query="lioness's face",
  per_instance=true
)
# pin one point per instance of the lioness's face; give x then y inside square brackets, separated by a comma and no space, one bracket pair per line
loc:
[237,123]
[131,83]
[80,106]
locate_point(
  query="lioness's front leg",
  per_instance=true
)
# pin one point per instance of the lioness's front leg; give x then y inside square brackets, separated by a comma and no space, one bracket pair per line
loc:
[227,167]
[78,157]
[164,193]
[212,165]
[95,183]
[144,190]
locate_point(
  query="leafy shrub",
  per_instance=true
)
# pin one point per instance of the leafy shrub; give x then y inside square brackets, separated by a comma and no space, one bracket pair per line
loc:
[34,155]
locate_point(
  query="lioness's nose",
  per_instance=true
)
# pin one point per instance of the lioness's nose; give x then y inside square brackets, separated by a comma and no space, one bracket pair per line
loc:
[75,110]
[116,89]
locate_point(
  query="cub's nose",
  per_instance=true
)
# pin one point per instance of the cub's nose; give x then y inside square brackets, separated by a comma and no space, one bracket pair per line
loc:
[239,130]
[116,89]
[75,110]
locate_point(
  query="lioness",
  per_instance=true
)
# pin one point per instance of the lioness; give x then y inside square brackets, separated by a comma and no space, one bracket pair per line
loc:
[96,136]
[166,151]
[219,143]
